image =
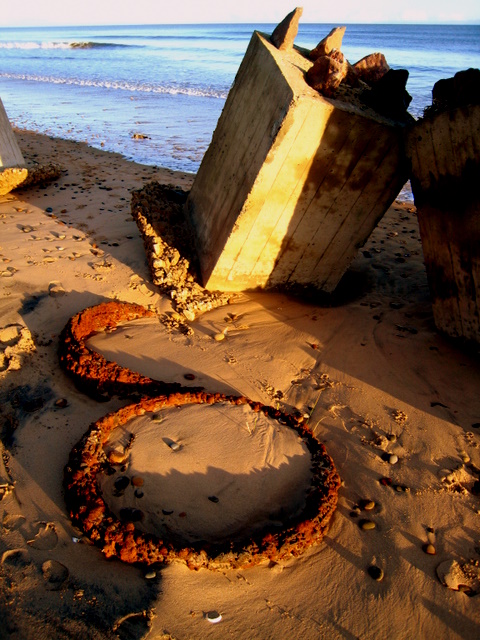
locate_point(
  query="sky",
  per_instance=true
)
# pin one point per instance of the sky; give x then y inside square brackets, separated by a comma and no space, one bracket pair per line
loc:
[101,12]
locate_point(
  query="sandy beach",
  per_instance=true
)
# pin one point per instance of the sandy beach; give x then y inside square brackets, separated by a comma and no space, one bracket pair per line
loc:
[396,404]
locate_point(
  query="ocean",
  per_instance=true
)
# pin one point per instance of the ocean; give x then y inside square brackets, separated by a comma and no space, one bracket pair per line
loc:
[154,93]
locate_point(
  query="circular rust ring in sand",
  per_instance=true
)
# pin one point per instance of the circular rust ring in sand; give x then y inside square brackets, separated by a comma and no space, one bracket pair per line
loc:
[95,375]
[89,511]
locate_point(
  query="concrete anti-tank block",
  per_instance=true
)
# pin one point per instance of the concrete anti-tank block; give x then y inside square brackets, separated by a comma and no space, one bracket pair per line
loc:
[293,183]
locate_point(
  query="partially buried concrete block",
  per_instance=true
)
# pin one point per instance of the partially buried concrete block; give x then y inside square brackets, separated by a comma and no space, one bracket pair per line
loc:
[12,164]
[293,183]
[444,148]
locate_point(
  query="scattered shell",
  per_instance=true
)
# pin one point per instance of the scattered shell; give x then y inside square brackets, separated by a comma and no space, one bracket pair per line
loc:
[375,572]
[46,537]
[213,616]
[367,525]
[459,577]
[15,558]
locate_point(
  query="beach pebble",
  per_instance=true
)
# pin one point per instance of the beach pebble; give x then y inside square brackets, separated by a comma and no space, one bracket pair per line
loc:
[189,315]
[61,403]
[116,457]
[174,446]
[137,481]
[54,573]
[429,549]
[386,482]
[131,515]
[393,459]
[121,483]
[367,525]
[150,575]
[219,337]
[367,505]
[213,499]
[55,289]
[375,572]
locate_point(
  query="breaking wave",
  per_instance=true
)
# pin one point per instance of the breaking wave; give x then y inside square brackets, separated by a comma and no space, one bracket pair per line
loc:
[60,45]
[207,92]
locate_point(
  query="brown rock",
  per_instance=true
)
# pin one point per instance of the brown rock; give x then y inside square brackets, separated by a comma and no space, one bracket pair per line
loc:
[389,96]
[284,34]
[371,68]
[328,44]
[461,90]
[327,73]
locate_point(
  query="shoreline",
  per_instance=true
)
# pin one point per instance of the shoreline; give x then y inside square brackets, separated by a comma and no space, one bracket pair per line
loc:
[375,377]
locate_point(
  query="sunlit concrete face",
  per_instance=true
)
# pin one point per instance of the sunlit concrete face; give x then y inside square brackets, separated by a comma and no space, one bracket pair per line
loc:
[293,183]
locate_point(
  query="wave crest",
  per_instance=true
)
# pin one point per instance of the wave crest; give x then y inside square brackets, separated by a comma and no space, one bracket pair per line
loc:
[203,92]
[59,45]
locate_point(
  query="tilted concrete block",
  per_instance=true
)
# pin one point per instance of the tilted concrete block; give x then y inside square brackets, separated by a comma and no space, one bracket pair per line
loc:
[444,149]
[292,183]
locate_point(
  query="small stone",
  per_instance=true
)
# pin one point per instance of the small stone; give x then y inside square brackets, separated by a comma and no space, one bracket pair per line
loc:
[393,459]
[367,505]
[429,549]
[367,525]
[174,446]
[121,483]
[219,337]
[150,575]
[386,482]
[189,315]
[61,403]
[138,493]
[137,481]
[213,499]
[131,515]
[116,457]
[49,210]
[375,572]
[189,376]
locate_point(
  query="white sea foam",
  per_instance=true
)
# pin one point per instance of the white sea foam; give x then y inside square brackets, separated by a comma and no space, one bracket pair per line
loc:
[121,86]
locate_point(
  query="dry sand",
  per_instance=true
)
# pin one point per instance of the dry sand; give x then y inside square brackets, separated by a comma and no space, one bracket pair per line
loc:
[370,370]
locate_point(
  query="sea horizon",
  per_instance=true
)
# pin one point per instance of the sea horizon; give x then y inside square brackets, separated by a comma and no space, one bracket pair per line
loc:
[154,93]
